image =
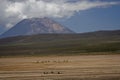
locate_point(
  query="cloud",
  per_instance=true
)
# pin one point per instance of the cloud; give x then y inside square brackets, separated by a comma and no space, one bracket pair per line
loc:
[12,11]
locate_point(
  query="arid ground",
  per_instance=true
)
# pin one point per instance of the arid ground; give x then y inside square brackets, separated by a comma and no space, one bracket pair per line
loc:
[82,67]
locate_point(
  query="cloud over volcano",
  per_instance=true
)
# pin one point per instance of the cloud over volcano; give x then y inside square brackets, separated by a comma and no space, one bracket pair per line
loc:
[12,11]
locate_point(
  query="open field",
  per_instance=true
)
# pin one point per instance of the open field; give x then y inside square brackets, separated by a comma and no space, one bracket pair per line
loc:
[82,67]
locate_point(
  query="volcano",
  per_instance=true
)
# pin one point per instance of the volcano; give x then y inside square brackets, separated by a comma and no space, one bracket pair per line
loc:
[36,26]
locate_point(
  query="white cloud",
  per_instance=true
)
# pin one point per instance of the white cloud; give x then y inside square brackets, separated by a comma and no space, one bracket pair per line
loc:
[13,11]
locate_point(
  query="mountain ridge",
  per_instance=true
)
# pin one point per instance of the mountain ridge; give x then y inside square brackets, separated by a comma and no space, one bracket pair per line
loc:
[95,34]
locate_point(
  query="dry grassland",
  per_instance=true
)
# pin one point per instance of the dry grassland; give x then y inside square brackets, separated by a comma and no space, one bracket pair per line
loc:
[82,67]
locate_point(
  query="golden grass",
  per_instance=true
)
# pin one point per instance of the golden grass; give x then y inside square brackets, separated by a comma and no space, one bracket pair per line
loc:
[74,67]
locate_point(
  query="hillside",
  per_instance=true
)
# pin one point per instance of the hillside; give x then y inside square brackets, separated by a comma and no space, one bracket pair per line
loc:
[62,44]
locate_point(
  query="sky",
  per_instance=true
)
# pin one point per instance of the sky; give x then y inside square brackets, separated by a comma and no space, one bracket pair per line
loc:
[78,15]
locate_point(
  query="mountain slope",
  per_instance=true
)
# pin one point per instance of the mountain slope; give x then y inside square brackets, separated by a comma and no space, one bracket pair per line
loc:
[2,29]
[36,26]
[62,44]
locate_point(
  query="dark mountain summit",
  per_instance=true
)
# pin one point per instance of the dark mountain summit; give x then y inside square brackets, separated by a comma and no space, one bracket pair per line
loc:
[36,26]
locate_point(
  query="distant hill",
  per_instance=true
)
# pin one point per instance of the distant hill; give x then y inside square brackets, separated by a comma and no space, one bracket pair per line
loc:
[36,26]
[62,44]
[53,37]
